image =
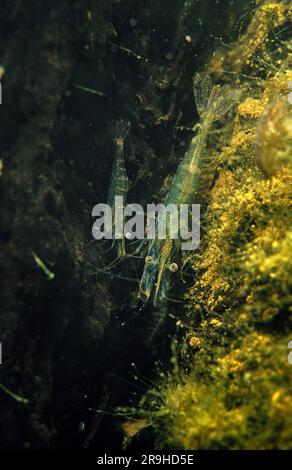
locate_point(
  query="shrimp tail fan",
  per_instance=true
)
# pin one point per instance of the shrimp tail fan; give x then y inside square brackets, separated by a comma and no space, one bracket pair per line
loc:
[120,129]
[211,100]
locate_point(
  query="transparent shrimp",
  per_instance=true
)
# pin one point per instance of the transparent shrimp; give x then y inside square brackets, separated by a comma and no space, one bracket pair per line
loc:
[119,184]
[212,103]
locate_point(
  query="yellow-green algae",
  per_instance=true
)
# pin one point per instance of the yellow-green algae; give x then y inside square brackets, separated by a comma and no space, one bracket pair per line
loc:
[232,387]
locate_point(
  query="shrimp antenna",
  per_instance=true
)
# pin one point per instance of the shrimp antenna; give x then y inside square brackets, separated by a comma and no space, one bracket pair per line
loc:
[135,315]
[124,278]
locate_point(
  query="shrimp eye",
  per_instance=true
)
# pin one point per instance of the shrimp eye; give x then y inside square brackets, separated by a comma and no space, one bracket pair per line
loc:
[173,267]
[148,260]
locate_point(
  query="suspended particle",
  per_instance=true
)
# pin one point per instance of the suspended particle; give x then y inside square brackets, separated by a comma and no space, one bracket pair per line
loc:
[133,22]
